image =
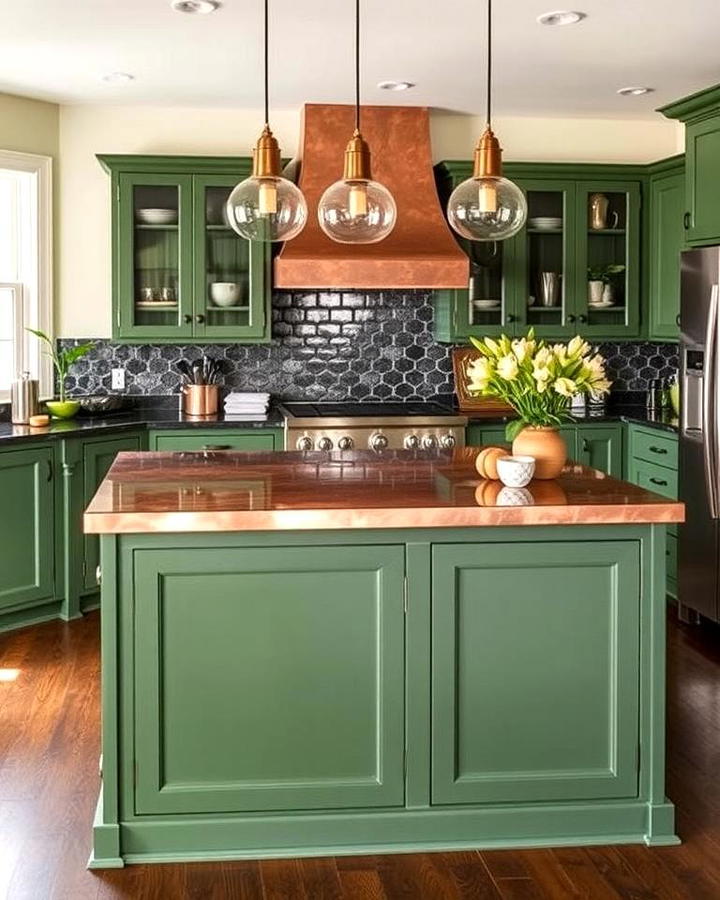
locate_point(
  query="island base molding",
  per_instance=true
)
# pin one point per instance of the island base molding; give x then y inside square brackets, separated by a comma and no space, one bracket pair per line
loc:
[399,832]
[372,691]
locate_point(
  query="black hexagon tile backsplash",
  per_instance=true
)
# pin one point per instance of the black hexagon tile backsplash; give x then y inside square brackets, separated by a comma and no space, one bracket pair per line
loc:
[335,346]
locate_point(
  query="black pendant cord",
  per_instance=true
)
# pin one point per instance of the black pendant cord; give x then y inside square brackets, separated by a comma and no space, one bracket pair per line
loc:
[489,64]
[357,65]
[267,79]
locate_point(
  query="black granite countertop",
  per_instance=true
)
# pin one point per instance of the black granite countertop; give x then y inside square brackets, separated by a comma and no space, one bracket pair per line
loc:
[164,413]
[142,417]
[636,415]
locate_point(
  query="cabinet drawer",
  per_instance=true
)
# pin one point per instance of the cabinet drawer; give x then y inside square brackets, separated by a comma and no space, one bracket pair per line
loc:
[654,478]
[654,447]
[218,439]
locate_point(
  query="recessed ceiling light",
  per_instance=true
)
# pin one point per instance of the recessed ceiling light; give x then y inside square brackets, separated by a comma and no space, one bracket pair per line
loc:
[635,91]
[395,85]
[195,7]
[118,78]
[561,17]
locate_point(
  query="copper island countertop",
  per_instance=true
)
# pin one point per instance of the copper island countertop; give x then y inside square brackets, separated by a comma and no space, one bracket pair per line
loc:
[279,491]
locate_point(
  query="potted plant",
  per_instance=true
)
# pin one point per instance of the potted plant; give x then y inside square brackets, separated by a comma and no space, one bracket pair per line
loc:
[538,381]
[600,287]
[62,360]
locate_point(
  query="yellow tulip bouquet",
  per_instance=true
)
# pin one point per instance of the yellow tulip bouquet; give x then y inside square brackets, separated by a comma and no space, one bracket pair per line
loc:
[537,380]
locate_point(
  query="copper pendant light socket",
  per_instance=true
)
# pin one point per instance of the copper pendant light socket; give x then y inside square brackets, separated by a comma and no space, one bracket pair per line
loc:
[487,159]
[266,155]
[357,159]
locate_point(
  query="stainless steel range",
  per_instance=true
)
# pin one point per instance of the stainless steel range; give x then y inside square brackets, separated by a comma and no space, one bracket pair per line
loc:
[374,426]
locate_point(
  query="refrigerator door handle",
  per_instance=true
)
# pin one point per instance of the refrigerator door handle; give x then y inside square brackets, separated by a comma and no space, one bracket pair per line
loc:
[709,402]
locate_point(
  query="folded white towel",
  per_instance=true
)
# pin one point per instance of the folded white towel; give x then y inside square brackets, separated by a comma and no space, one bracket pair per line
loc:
[240,395]
[237,417]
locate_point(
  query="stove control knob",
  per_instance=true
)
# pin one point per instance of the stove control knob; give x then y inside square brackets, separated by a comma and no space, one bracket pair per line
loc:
[411,442]
[447,441]
[304,443]
[378,441]
[345,443]
[428,442]
[325,443]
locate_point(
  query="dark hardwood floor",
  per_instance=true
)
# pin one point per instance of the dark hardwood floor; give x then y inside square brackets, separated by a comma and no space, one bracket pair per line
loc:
[49,746]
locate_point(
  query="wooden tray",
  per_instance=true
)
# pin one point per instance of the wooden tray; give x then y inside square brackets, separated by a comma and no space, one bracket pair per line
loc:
[460,358]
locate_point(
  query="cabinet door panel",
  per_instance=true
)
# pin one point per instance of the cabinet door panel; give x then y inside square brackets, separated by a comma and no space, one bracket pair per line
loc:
[154,259]
[26,527]
[222,258]
[702,148]
[667,237]
[600,447]
[220,439]
[307,648]
[617,244]
[98,456]
[535,672]
[541,285]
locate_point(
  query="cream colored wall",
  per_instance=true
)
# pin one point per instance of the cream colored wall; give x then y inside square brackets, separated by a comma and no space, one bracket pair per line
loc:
[84,305]
[28,126]
[32,126]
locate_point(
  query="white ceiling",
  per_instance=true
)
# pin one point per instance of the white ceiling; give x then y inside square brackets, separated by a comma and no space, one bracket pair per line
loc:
[59,49]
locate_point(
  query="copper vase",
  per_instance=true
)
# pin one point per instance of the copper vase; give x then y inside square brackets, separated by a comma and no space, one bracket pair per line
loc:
[546,445]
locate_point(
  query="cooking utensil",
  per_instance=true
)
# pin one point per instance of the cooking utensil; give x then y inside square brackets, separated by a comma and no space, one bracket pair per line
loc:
[185,371]
[197,371]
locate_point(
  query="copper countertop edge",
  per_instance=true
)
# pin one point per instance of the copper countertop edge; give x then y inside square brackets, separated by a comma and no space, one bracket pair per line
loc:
[388,518]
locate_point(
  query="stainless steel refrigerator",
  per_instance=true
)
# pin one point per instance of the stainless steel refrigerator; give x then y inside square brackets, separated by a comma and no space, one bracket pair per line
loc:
[699,536]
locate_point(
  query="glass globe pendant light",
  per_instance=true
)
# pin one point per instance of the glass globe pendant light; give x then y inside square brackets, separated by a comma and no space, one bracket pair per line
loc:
[487,207]
[356,209]
[266,206]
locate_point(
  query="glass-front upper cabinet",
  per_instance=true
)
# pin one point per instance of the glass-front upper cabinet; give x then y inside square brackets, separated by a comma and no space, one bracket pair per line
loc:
[607,288]
[230,273]
[153,259]
[180,273]
[544,250]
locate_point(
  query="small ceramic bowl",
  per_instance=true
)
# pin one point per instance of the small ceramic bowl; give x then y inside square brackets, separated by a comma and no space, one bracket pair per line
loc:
[516,471]
[226,293]
[62,409]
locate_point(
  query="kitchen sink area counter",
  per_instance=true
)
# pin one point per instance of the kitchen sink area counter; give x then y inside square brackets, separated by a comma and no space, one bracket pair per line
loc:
[337,653]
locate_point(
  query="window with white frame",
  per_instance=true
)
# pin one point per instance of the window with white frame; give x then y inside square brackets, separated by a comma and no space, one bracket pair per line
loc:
[25,267]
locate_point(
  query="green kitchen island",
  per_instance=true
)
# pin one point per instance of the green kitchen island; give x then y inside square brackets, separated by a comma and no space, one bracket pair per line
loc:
[338,653]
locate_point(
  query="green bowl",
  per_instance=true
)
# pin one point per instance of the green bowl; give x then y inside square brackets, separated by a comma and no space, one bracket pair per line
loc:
[675,397]
[63,409]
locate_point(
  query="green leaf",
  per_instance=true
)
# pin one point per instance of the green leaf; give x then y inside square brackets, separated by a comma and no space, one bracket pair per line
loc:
[72,354]
[513,429]
[40,334]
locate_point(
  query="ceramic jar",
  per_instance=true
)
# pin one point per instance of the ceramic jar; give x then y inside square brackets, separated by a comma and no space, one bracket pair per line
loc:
[547,447]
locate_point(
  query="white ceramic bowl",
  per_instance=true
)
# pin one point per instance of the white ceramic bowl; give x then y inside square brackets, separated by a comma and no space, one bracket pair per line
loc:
[226,293]
[157,216]
[516,471]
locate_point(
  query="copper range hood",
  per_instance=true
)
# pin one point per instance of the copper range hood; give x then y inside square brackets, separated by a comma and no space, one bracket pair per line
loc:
[421,251]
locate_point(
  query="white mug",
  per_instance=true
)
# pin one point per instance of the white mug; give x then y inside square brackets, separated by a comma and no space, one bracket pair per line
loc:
[516,471]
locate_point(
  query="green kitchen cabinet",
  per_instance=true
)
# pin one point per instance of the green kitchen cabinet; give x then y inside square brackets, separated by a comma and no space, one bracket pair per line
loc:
[27,569]
[666,241]
[598,446]
[84,463]
[487,305]
[562,721]
[701,114]
[601,447]
[539,277]
[98,456]
[193,440]
[171,243]
[308,647]
[652,463]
